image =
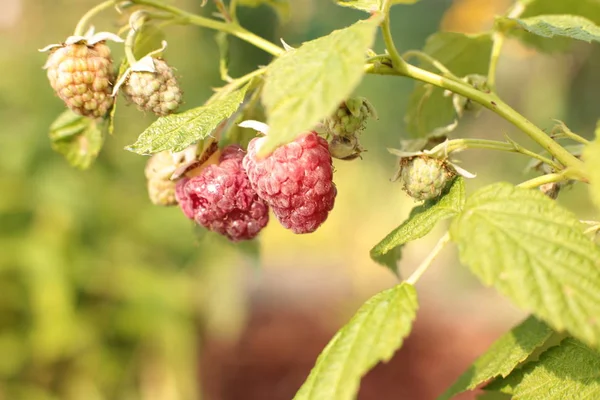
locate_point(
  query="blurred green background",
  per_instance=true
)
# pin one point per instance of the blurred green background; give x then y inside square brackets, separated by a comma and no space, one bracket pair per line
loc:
[104,296]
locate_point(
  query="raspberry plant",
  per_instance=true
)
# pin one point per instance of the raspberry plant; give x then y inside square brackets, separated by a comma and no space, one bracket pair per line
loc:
[513,237]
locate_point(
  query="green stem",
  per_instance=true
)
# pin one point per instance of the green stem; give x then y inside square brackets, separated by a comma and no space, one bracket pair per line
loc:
[542,180]
[564,130]
[576,138]
[129,42]
[397,60]
[84,21]
[462,144]
[233,10]
[488,100]
[435,63]
[426,263]
[232,28]
[498,40]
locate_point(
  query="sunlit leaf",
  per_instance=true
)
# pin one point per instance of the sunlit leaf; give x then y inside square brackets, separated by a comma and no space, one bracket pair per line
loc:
[589,9]
[568,371]
[534,252]
[570,26]
[175,132]
[307,84]
[503,356]
[374,334]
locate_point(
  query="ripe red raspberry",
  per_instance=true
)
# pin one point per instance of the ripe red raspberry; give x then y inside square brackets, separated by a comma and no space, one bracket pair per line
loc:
[296,180]
[222,199]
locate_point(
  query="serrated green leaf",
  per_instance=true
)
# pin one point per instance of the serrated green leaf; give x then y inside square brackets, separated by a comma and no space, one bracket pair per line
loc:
[589,9]
[307,84]
[591,157]
[568,371]
[78,138]
[534,252]
[282,7]
[503,356]
[370,5]
[585,8]
[569,26]
[421,221]
[428,108]
[374,334]
[175,132]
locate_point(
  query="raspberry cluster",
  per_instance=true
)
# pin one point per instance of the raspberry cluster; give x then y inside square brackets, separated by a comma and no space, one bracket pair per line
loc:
[233,197]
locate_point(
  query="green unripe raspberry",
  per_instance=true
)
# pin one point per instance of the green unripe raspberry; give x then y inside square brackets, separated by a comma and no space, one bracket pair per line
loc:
[81,75]
[425,178]
[350,118]
[156,92]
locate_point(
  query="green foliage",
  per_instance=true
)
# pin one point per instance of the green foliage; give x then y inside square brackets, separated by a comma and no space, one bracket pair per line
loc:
[374,334]
[591,155]
[177,131]
[429,108]
[77,138]
[503,356]
[589,9]
[570,26]
[568,371]
[421,221]
[534,252]
[307,84]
